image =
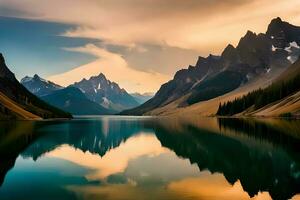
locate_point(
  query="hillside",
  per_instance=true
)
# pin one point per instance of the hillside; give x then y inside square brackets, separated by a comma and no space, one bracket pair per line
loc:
[255,57]
[18,102]
[210,107]
[74,101]
[281,98]
[10,109]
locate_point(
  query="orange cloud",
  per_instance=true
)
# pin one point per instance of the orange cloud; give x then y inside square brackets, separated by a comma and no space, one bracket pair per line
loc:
[115,68]
[200,25]
[213,187]
[195,24]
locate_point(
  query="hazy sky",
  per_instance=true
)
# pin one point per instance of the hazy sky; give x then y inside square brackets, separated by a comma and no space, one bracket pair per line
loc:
[139,44]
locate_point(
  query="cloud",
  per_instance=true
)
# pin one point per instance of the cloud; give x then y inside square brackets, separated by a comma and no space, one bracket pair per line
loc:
[216,187]
[115,68]
[206,26]
[192,26]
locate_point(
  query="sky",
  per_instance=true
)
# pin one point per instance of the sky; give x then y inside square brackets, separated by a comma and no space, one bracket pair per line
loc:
[139,44]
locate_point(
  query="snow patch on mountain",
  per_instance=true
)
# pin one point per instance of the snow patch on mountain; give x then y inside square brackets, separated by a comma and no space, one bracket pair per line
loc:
[106,103]
[82,90]
[292,46]
[274,48]
[292,59]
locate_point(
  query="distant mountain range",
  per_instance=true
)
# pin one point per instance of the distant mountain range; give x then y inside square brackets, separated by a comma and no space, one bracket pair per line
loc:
[142,98]
[39,86]
[72,100]
[106,93]
[16,102]
[98,95]
[255,56]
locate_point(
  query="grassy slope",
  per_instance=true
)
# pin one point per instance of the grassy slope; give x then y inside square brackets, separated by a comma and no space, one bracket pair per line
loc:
[289,104]
[210,107]
[18,111]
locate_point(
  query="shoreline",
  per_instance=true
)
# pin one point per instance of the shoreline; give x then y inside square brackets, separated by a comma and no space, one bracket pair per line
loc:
[78,117]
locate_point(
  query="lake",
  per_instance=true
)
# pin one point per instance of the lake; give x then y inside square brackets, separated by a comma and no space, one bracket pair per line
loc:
[116,158]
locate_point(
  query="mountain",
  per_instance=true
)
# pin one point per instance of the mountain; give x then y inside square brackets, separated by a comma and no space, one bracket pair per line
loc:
[281,98]
[17,102]
[106,93]
[213,76]
[72,100]
[99,95]
[39,86]
[142,98]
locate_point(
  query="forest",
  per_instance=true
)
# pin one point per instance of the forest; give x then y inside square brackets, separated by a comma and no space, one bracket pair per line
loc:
[260,97]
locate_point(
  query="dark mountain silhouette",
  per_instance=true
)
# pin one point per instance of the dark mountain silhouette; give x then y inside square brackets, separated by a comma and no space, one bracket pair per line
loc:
[255,54]
[261,158]
[16,137]
[18,102]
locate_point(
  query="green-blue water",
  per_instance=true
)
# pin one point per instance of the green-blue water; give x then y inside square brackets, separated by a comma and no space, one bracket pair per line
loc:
[150,158]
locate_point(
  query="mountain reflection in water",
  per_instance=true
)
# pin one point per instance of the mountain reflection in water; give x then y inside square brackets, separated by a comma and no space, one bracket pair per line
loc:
[150,158]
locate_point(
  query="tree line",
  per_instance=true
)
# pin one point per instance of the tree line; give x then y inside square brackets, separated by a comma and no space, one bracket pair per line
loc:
[260,97]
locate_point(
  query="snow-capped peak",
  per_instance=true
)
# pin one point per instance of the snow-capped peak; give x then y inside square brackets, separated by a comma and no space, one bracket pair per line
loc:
[39,86]
[39,78]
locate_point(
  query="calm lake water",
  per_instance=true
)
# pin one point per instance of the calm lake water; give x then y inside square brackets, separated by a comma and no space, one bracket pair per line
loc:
[148,158]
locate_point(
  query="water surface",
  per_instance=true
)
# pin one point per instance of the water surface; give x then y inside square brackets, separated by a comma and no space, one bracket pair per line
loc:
[150,158]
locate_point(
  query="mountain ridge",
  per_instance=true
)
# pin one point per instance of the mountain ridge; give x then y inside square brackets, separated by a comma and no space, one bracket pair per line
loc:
[106,93]
[108,96]
[254,56]
[39,86]
[281,98]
